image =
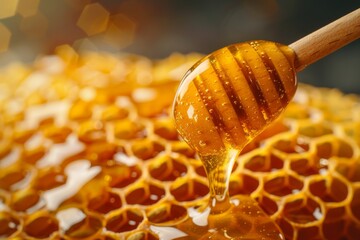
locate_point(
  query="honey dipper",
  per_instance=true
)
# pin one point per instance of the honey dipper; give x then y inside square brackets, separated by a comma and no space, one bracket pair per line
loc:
[230,96]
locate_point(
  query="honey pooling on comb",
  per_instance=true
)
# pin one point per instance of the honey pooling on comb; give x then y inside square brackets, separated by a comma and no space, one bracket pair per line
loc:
[223,102]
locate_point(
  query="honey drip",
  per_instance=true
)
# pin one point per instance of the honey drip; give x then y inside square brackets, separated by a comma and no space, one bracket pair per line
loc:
[223,102]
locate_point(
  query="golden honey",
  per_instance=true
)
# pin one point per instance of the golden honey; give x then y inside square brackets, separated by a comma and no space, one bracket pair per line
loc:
[224,101]
[231,95]
[303,170]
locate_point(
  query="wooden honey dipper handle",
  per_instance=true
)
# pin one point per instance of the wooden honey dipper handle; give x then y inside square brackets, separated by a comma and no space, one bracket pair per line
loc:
[326,40]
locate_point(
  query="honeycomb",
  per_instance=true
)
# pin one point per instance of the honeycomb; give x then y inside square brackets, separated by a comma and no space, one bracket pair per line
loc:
[88,150]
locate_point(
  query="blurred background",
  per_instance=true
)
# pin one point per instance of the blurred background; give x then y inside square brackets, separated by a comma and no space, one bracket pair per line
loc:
[157,28]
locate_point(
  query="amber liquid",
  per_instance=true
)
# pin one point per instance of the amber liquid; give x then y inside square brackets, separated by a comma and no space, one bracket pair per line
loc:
[223,218]
[224,101]
[218,169]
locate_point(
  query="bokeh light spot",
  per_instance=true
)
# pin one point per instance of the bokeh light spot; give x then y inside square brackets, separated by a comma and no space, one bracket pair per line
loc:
[93,19]
[27,8]
[8,8]
[5,36]
[121,31]
[85,44]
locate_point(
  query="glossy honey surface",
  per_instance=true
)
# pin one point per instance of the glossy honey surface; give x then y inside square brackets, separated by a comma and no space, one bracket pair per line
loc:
[230,96]
[224,101]
[89,150]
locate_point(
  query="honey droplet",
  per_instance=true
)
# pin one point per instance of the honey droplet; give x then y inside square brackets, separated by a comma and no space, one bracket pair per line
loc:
[202,143]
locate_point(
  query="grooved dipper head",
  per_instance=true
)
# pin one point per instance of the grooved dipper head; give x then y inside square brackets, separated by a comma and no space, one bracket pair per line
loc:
[233,94]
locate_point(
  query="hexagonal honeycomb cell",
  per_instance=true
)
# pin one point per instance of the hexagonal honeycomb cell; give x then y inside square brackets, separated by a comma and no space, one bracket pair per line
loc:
[88,153]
